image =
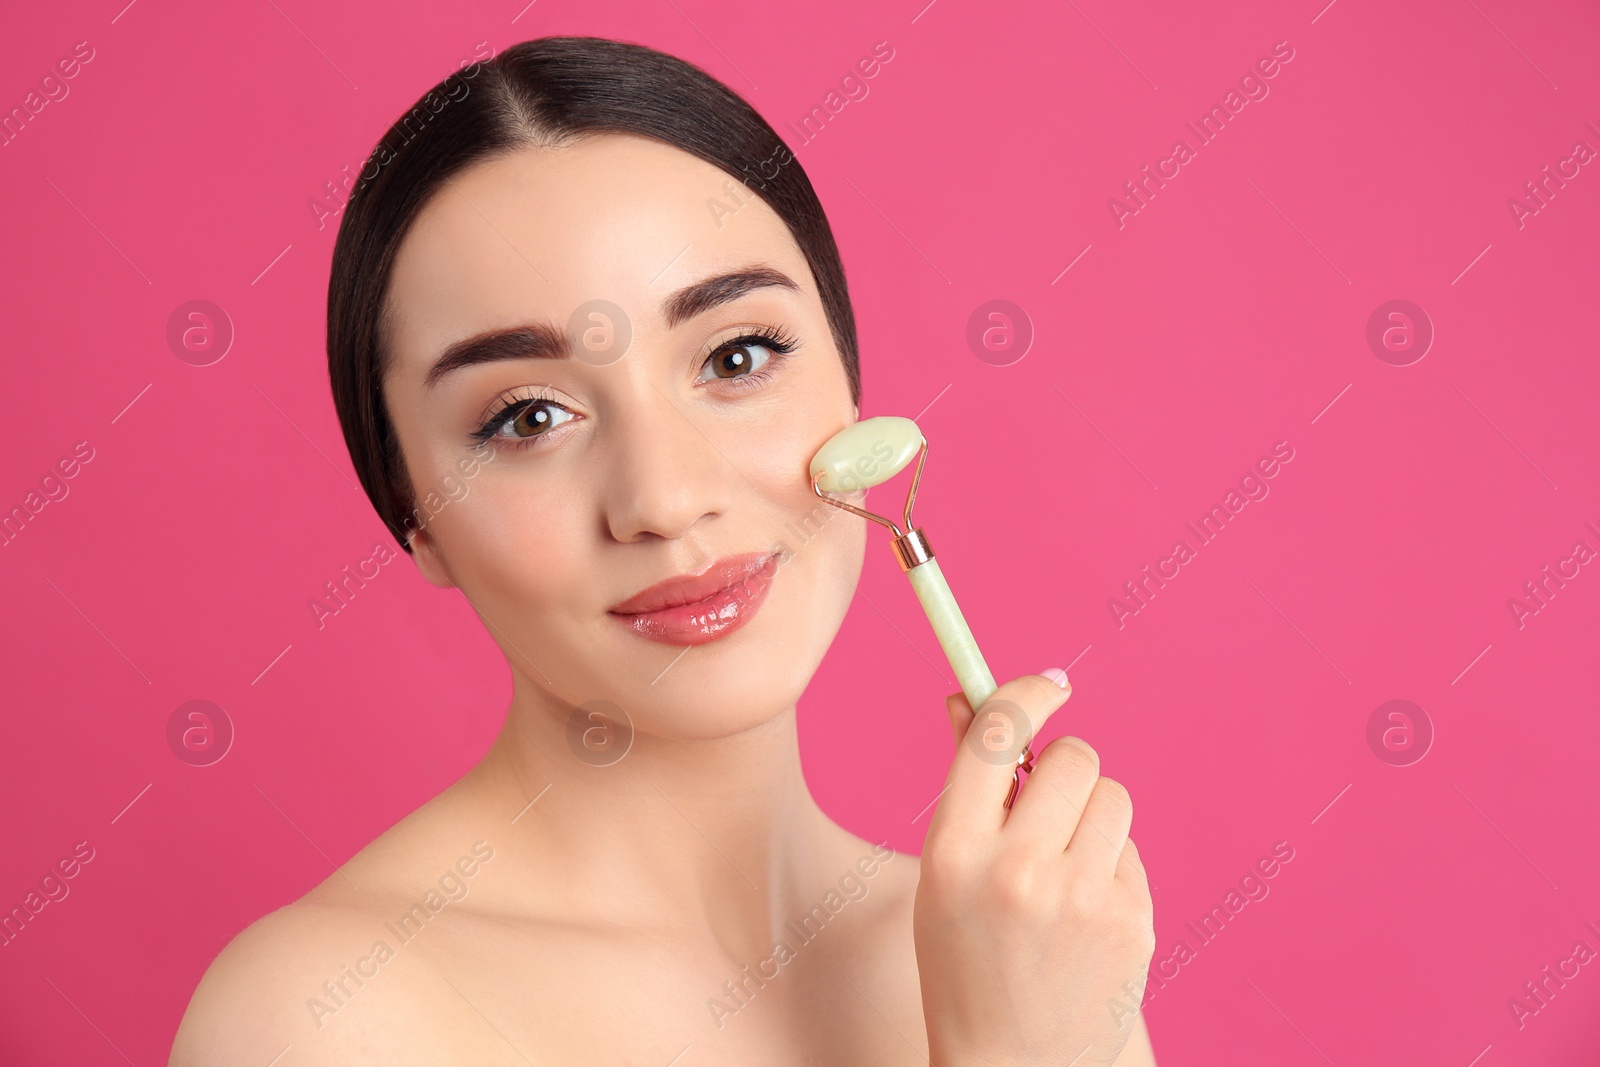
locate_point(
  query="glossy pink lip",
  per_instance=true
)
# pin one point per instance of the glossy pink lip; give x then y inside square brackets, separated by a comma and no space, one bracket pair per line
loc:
[692,609]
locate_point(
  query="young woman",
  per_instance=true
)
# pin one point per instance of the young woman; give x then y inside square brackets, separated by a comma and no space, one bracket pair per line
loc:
[587,325]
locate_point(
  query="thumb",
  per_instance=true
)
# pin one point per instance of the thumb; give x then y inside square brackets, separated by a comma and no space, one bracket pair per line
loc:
[960,712]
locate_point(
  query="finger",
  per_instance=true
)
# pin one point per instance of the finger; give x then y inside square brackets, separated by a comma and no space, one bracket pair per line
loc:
[960,712]
[1131,870]
[981,770]
[1103,831]
[1047,812]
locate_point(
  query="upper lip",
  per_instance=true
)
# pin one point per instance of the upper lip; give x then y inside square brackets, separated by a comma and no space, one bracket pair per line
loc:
[683,589]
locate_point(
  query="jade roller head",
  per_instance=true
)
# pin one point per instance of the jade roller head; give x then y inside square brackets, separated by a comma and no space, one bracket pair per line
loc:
[869,453]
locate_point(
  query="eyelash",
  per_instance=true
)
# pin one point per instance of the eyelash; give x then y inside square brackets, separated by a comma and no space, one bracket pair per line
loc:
[779,343]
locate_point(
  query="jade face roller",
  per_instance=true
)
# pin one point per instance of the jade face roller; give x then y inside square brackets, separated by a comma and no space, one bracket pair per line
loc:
[869,453]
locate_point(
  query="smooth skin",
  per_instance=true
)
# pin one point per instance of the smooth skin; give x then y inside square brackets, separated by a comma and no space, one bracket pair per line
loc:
[580,911]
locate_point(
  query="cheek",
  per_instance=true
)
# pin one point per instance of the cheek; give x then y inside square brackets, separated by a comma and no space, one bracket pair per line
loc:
[510,543]
[823,576]
[777,456]
[848,548]
[825,548]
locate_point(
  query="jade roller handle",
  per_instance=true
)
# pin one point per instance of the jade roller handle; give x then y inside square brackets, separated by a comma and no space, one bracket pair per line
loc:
[955,637]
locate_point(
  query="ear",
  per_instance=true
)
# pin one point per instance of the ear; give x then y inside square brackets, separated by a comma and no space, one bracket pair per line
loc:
[430,561]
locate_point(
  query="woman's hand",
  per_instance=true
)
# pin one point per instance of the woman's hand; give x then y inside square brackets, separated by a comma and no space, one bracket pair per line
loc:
[1032,926]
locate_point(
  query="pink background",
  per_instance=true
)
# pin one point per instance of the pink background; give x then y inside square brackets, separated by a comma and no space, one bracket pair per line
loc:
[1230,313]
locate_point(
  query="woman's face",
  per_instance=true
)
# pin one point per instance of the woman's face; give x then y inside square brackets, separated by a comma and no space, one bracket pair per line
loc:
[626,441]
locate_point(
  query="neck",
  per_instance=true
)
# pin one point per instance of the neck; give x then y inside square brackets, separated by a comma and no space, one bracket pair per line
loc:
[718,839]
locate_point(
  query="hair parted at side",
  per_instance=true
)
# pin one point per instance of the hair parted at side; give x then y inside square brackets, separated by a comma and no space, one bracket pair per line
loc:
[541,93]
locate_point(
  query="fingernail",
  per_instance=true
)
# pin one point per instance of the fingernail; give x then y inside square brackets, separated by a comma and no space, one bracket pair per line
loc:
[1056,675]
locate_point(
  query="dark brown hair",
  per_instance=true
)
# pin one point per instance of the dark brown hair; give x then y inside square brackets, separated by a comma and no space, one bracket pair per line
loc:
[544,92]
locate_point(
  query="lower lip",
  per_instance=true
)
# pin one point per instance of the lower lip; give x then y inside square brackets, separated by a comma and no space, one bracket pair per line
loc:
[706,620]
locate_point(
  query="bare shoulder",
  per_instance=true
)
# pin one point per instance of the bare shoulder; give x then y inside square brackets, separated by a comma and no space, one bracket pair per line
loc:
[886,882]
[887,874]
[335,983]
[331,975]
[288,978]
[904,872]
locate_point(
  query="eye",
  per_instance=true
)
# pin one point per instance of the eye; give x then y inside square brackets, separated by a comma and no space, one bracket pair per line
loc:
[737,360]
[523,421]
[746,358]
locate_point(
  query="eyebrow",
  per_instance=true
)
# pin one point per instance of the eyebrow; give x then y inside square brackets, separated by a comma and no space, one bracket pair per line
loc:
[542,340]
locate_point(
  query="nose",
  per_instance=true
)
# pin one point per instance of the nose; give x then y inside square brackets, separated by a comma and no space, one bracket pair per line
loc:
[664,471]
